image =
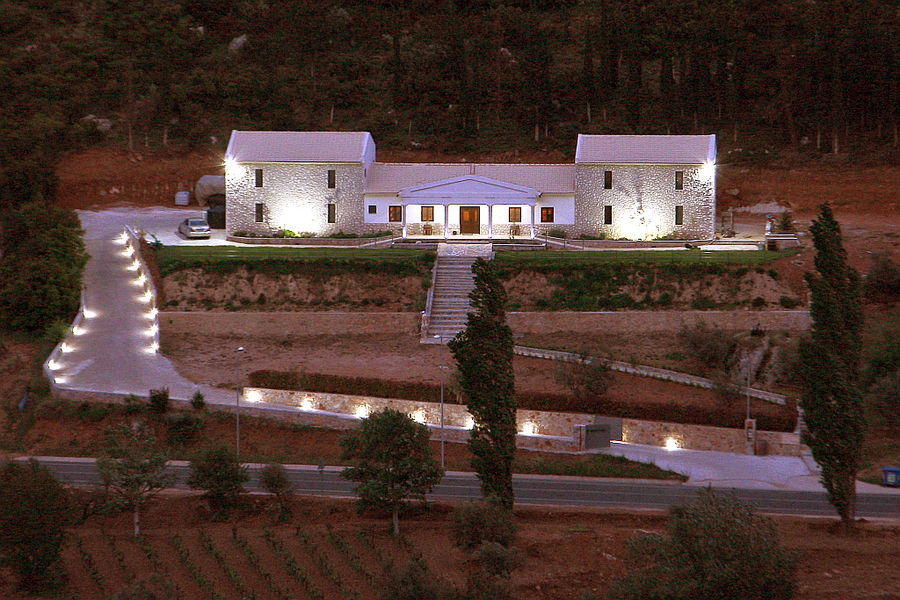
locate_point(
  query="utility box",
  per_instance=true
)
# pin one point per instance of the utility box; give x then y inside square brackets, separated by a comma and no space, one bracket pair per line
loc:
[596,436]
[891,476]
[182,198]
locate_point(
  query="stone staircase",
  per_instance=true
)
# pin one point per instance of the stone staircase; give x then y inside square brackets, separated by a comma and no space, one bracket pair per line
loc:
[449,303]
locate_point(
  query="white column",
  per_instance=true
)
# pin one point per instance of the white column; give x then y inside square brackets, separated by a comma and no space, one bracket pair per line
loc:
[446,208]
[490,221]
[403,212]
[532,221]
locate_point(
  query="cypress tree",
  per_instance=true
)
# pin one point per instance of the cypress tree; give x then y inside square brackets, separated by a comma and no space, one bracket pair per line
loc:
[484,353]
[830,360]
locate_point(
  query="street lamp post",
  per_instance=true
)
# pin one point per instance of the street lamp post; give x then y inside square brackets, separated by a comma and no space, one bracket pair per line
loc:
[443,369]
[237,404]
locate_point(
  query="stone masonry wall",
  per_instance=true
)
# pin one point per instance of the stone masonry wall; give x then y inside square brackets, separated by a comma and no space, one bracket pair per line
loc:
[295,197]
[644,198]
[277,324]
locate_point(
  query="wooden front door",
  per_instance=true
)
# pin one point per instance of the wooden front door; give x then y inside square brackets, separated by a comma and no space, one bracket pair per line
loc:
[469,219]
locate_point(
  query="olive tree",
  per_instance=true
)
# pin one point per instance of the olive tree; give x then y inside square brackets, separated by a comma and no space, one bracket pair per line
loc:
[393,462]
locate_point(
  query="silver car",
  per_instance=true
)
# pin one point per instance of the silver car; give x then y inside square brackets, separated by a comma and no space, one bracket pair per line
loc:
[194,228]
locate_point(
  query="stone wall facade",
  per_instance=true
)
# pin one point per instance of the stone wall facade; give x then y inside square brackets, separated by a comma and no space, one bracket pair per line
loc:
[643,200]
[295,197]
[279,324]
[282,324]
[538,430]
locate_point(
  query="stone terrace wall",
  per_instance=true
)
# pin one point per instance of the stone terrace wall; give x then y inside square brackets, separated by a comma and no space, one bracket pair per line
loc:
[655,320]
[548,431]
[278,324]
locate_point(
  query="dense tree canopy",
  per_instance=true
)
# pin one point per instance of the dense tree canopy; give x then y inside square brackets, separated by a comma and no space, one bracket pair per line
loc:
[467,74]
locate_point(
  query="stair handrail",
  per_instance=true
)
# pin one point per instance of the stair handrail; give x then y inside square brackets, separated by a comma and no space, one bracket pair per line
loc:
[426,314]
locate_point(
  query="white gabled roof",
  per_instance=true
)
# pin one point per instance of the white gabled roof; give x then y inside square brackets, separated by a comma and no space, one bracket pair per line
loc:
[646,149]
[391,178]
[301,146]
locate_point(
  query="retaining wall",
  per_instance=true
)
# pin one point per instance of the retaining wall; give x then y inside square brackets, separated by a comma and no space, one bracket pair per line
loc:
[280,324]
[541,430]
[277,324]
[655,320]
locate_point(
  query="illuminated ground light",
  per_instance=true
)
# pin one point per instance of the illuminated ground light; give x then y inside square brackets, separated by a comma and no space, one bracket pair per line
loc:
[65,348]
[419,416]
[123,238]
[151,314]
[78,330]
[53,365]
[146,296]
[129,251]
[89,314]
[529,428]
[153,348]
[60,379]
[134,266]
[672,443]
[253,396]
[470,423]
[362,411]
[142,279]
[306,404]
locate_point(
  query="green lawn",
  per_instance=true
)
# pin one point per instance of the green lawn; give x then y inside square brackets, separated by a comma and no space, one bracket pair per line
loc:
[632,257]
[224,258]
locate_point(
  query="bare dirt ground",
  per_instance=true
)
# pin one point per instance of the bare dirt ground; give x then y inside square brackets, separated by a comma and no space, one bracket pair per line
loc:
[566,553]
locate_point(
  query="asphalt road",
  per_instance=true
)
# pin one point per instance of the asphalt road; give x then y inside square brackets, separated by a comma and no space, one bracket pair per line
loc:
[531,490]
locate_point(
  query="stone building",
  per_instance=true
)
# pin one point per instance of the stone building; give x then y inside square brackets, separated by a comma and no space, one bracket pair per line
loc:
[322,183]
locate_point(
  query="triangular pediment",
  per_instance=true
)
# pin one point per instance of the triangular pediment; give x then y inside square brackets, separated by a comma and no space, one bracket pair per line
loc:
[469,187]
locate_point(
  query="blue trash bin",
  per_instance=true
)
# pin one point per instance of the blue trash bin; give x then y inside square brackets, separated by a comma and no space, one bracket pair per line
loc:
[891,476]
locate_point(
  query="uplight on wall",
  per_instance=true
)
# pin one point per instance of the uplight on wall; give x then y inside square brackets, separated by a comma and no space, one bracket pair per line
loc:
[53,365]
[419,416]
[707,170]
[146,296]
[362,411]
[306,404]
[470,422]
[672,444]
[78,330]
[89,314]
[529,428]
[253,396]
[65,348]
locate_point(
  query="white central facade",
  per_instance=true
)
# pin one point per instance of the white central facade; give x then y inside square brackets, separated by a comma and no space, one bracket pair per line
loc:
[322,183]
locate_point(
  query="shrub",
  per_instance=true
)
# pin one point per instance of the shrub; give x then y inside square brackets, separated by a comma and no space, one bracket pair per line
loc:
[183,428]
[716,547]
[788,302]
[159,400]
[498,560]
[412,582]
[711,347]
[91,413]
[133,404]
[758,302]
[34,512]
[557,233]
[882,282]
[586,378]
[274,480]
[218,471]
[42,260]
[785,223]
[472,524]
[198,401]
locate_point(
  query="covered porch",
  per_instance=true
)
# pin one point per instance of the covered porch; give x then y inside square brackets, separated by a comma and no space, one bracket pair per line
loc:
[470,207]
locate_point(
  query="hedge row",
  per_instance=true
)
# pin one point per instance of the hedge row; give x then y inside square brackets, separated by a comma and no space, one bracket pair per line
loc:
[770,419]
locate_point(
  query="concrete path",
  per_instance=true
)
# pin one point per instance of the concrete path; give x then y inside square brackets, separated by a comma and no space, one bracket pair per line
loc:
[112,351]
[112,354]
